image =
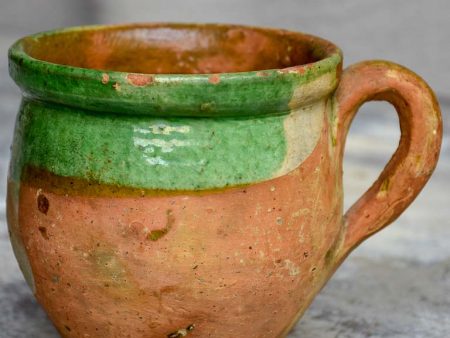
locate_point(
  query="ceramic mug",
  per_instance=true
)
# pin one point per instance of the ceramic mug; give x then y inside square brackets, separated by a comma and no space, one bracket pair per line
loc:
[180,179]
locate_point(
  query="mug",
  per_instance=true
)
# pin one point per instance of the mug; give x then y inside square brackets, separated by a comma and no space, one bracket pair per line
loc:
[172,180]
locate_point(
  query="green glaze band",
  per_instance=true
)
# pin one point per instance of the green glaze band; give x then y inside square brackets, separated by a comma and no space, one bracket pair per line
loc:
[152,153]
[166,131]
[234,94]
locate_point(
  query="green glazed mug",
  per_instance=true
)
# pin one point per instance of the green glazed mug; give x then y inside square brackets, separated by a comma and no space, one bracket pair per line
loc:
[172,180]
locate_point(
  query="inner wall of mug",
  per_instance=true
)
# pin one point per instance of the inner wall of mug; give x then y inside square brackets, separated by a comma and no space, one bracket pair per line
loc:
[177,49]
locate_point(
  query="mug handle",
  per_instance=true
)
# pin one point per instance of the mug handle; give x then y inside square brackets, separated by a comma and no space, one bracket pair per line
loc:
[413,162]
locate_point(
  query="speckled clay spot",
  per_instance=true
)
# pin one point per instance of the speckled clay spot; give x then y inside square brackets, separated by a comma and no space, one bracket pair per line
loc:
[105,78]
[43,204]
[140,80]
[214,79]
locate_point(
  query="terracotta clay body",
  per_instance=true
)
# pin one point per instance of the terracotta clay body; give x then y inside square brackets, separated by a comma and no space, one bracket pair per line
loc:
[186,180]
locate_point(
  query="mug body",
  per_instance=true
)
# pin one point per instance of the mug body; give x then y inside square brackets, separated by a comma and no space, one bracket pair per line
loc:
[172,180]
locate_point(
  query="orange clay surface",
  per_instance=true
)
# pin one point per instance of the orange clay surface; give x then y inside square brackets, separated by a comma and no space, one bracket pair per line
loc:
[234,263]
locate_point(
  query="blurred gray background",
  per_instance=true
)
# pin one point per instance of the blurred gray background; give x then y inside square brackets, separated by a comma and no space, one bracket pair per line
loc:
[397,284]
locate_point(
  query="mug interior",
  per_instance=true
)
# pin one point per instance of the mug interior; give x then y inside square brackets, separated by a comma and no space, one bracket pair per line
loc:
[178,48]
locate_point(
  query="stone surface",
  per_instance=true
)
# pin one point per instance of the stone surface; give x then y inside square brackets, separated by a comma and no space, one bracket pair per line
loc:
[384,289]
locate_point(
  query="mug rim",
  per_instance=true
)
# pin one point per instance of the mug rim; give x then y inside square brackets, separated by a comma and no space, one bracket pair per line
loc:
[132,93]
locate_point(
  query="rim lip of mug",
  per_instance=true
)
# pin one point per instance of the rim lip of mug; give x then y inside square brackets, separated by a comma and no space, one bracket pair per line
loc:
[24,69]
